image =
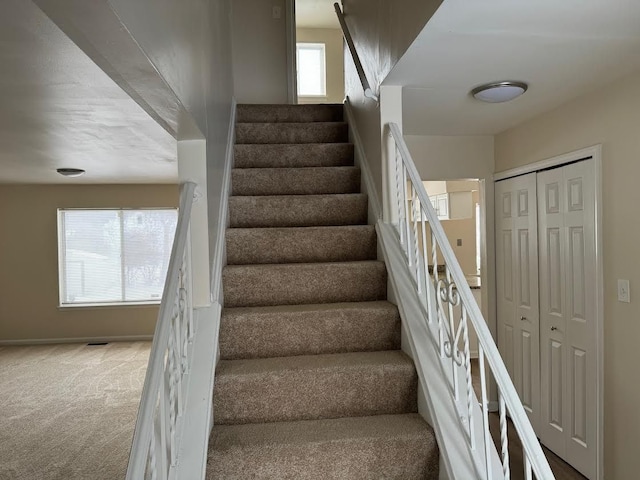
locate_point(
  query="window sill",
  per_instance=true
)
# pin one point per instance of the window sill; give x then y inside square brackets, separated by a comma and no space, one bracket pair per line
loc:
[73,306]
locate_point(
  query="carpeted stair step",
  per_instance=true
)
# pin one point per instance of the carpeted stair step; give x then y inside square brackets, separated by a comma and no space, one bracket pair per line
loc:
[393,447]
[311,387]
[293,155]
[298,210]
[318,132]
[256,113]
[247,246]
[300,283]
[295,181]
[288,330]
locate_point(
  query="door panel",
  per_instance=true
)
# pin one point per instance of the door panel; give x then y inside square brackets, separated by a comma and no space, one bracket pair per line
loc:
[517,283]
[566,227]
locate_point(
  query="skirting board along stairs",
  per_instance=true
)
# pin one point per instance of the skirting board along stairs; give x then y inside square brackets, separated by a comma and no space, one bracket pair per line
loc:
[311,383]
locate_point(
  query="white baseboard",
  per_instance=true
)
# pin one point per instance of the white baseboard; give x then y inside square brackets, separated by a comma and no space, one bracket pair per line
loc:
[46,341]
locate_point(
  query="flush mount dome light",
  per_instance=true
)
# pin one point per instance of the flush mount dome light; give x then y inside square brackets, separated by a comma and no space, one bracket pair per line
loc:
[70,172]
[498,92]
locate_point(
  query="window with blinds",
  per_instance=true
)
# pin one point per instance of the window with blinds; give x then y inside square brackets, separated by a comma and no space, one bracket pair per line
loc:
[114,256]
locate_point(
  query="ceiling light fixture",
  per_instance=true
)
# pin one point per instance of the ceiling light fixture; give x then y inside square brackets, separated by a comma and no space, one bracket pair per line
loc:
[70,172]
[498,92]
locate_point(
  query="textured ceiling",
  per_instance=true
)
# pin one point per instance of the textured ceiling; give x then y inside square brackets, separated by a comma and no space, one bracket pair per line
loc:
[58,109]
[562,49]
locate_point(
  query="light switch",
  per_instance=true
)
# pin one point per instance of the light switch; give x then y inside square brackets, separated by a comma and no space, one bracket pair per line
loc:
[276,11]
[623,291]
[459,242]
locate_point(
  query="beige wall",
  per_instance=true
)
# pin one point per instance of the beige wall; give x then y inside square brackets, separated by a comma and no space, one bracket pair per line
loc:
[29,261]
[610,116]
[332,38]
[259,44]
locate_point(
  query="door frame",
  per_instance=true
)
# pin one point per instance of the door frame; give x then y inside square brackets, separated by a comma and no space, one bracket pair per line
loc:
[292,76]
[593,152]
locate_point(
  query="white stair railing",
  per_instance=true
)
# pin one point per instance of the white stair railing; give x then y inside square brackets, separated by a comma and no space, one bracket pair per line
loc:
[368,92]
[156,440]
[451,312]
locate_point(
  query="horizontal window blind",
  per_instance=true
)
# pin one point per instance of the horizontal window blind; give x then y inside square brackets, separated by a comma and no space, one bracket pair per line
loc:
[114,256]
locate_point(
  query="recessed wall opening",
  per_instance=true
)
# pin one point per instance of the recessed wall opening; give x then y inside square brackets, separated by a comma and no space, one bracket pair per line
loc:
[319,53]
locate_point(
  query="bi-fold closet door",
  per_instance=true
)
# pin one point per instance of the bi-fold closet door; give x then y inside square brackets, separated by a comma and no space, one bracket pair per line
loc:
[546,291]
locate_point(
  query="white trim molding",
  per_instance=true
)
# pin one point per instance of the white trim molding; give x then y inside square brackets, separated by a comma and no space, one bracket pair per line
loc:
[594,151]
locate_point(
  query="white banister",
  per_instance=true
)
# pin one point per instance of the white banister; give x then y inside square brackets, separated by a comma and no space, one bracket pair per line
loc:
[451,311]
[368,92]
[156,438]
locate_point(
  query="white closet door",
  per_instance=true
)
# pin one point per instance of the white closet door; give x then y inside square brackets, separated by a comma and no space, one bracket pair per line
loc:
[566,205]
[517,275]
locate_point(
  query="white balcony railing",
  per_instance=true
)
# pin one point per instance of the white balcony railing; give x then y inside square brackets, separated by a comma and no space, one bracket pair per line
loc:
[158,430]
[452,313]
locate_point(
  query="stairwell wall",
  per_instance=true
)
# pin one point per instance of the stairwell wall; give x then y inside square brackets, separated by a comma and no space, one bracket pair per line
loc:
[382,31]
[189,42]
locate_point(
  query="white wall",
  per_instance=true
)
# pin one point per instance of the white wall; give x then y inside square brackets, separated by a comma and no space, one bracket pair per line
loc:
[610,116]
[189,42]
[259,51]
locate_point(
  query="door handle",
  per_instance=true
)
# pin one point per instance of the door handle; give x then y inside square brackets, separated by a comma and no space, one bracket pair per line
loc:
[523,318]
[553,329]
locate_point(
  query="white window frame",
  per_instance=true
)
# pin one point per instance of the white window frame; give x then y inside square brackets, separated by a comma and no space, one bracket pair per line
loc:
[62,260]
[323,66]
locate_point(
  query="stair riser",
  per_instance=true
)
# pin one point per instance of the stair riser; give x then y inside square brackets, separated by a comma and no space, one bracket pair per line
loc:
[399,447]
[357,459]
[251,334]
[311,395]
[263,285]
[265,133]
[282,156]
[297,211]
[289,113]
[294,181]
[247,246]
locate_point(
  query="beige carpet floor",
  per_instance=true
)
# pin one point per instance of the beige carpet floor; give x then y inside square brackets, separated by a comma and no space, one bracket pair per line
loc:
[68,411]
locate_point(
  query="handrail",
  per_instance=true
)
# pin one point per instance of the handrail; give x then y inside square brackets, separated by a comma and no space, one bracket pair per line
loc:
[449,301]
[156,440]
[368,92]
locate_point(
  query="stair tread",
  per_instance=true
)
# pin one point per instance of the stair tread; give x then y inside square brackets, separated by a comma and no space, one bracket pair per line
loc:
[291,132]
[289,113]
[312,307]
[288,330]
[285,155]
[295,180]
[266,245]
[298,210]
[230,437]
[314,363]
[398,447]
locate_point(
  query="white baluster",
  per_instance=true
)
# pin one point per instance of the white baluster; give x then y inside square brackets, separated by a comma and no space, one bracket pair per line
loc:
[485,415]
[504,439]
[527,467]
[467,355]
[405,204]
[399,197]
[415,207]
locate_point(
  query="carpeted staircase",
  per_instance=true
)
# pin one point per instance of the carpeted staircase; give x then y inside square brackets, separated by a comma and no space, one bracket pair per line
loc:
[311,383]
